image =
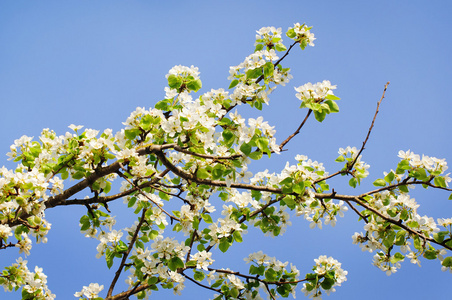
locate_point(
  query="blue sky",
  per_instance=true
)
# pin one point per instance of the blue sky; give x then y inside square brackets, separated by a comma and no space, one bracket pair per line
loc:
[93,62]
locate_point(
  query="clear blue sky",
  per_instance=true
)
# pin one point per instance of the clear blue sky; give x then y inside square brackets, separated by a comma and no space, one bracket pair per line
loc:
[93,62]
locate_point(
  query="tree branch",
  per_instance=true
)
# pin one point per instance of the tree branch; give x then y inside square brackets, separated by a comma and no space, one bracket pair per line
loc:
[296,131]
[147,197]
[125,295]
[370,129]
[126,254]
[200,284]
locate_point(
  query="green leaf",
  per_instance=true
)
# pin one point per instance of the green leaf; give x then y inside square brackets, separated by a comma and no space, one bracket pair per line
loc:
[200,247]
[246,149]
[352,182]
[228,137]
[417,242]
[390,177]
[340,158]
[217,284]
[207,218]
[257,104]
[419,174]
[290,202]
[237,236]
[121,247]
[109,255]
[303,44]
[327,283]
[287,189]
[430,254]
[152,280]
[153,234]
[268,69]
[334,108]
[107,187]
[224,244]
[403,188]
[332,97]
[254,73]
[146,122]
[280,47]
[256,155]
[132,201]
[78,175]
[262,143]
[131,133]
[397,257]
[298,187]
[439,181]
[84,220]
[233,83]
[400,238]
[389,240]
[218,171]
[164,196]
[64,174]
[194,85]
[380,182]
[402,166]
[199,276]
[439,236]
[447,262]
[174,81]
[177,227]
[175,263]
[259,47]
[291,33]
[196,223]
[271,275]
[234,292]
[319,116]
[163,105]
[202,174]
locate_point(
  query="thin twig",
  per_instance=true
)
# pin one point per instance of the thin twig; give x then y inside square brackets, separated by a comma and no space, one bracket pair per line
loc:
[356,211]
[296,132]
[200,284]
[370,128]
[126,254]
[213,157]
[268,290]
[194,234]
[147,197]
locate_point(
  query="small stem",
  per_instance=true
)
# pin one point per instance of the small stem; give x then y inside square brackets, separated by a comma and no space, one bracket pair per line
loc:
[126,254]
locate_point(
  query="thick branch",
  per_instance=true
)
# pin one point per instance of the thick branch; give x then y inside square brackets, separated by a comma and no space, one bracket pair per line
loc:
[193,178]
[127,294]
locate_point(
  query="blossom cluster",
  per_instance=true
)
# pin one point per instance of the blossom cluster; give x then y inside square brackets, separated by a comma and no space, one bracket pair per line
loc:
[302,34]
[354,164]
[400,208]
[317,92]
[328,274]
[34,284]
[161,263]
[90,292]
[269,37]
